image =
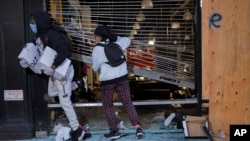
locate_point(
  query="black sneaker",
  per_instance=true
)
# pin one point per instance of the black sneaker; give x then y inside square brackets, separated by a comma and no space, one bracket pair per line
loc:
[139,133]
[114,134]
[86,136]
[77,135]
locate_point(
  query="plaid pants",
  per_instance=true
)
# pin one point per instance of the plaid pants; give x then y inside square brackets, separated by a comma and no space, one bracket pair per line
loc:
[123,91]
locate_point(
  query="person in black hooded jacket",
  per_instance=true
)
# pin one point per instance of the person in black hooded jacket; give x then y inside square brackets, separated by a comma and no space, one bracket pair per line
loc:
[46,36]
[49,37]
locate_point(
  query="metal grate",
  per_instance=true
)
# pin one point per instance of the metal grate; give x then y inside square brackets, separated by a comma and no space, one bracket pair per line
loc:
[162,33]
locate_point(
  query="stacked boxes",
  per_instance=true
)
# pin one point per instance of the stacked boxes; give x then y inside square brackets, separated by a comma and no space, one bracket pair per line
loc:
[46,60]
[41,62]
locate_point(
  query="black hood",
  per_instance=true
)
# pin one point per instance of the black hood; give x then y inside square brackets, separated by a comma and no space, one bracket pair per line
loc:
[42,19]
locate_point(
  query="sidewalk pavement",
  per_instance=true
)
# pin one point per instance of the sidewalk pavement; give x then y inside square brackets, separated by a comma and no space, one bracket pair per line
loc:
[129,135]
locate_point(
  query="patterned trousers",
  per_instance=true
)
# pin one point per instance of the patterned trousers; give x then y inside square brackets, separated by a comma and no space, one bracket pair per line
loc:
[123,91]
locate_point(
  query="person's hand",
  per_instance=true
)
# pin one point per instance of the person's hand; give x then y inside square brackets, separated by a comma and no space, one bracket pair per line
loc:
[24,64]
[53,67]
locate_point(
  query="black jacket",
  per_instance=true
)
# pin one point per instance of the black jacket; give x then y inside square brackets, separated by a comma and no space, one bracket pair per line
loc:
[50,37]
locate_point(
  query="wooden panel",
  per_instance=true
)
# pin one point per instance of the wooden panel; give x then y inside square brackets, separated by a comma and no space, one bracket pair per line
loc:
[226,62]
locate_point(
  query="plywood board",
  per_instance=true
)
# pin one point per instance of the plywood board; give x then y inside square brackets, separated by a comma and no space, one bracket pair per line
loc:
[225,62]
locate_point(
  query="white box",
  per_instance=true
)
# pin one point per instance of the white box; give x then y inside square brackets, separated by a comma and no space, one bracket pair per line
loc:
[63,71]
[31,54]
[46,60]
[28,53]
[36,69]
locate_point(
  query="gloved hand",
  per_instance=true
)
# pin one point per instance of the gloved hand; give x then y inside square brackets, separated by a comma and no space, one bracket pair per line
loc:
[24,64]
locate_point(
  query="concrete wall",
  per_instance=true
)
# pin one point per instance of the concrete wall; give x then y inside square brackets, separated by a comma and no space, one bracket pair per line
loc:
[226,62]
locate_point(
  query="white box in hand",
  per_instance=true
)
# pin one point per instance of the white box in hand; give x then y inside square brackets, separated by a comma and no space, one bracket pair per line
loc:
[63,71]
[46,60]
[31,54]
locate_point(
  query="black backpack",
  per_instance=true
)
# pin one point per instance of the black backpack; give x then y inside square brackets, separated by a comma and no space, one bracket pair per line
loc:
[113,53]
[64,35]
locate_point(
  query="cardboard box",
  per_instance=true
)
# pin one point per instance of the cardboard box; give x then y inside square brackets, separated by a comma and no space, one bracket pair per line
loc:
[31,54]
[63,71]
[194,127]
[46,60]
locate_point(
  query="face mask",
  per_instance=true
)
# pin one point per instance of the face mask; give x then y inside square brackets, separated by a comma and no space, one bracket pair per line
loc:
[33,28]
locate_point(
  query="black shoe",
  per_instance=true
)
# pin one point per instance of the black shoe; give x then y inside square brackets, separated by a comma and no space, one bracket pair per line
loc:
[77,134]
[139,133]
[114,134]
[86,136]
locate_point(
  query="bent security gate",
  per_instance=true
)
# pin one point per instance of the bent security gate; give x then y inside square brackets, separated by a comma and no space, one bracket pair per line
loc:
[162,34]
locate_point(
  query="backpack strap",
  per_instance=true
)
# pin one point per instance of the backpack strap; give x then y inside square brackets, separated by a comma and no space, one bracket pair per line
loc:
[102,45]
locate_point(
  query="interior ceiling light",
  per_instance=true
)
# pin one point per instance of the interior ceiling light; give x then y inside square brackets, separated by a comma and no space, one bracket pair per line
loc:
[175,25]
[187,37]
[75,3]
[136,25]
[133,32]
[146,4]
[175,42]
[140,17]
[151,34]
[131,37]
[187,15]
[151,42]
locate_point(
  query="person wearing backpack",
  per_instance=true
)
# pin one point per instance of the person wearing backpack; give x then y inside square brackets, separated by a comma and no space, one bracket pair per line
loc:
[113,78]
[46,36]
